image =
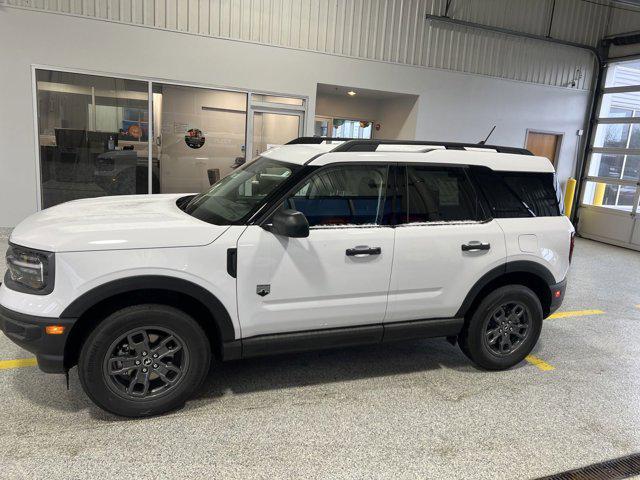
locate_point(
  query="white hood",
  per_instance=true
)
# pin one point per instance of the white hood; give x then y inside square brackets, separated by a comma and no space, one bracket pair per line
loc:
[114,223]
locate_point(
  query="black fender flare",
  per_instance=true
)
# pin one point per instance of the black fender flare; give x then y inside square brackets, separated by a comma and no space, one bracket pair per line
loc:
[155,282]
[524,266]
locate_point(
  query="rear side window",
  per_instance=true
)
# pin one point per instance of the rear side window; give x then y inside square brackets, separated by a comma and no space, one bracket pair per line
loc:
[537,190]
[517,194]
[344,195]
[438,194]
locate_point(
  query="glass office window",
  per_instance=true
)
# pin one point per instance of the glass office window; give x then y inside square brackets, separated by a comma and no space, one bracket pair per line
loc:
[344,128]
[97,137]
[92,135]
[199,135]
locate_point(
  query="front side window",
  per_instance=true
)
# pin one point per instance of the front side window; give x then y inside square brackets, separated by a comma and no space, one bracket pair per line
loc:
[438,194]
[344,195]
[240,193]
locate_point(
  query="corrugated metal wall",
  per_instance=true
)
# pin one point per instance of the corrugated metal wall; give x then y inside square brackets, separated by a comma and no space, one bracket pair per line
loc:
[385,30]
[624,20]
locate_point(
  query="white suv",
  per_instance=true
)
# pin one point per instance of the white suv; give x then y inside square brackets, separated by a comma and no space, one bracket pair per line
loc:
[316,244]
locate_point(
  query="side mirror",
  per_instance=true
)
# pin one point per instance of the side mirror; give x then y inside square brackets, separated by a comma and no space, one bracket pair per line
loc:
[290,223]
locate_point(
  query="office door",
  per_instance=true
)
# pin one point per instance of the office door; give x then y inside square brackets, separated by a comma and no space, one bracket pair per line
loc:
[544,145]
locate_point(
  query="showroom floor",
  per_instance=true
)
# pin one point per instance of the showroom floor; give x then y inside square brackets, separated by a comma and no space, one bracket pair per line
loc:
[412,410]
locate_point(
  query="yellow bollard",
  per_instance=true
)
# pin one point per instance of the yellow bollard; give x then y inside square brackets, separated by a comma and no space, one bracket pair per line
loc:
[569,193]
[598,196]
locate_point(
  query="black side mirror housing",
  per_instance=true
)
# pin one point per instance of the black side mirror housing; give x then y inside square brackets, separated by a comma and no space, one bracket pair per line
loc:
[290,223]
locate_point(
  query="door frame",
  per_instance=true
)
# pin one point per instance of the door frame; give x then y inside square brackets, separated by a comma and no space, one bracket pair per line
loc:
[271,107]
[560,136]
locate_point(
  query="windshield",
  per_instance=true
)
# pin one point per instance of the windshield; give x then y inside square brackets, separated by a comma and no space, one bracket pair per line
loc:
[241,192]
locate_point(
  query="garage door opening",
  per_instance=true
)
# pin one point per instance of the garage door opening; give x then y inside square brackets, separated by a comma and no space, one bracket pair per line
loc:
[610,193]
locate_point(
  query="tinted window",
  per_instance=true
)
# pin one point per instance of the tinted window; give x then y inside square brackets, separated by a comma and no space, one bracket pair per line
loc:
[344,195]
[439,194]
[503,203]
[517,194]
[537,190]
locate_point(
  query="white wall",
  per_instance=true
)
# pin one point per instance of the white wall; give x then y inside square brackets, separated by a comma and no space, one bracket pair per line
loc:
[398,117]
[452,106]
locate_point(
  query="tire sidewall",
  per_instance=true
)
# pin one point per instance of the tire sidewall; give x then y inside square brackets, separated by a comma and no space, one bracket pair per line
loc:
[474,346]
[96,347]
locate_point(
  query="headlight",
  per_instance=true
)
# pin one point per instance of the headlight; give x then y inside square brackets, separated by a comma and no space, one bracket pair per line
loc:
[29,271]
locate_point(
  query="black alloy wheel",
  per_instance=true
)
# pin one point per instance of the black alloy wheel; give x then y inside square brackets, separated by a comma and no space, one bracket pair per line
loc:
[146,362]
[144,359]
[507,328]
[503,329]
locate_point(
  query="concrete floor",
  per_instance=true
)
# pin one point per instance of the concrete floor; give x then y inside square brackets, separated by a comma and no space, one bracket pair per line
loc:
[412,410]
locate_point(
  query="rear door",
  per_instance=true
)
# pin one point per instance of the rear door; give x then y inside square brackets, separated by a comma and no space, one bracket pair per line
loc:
[339,275]
[444,243]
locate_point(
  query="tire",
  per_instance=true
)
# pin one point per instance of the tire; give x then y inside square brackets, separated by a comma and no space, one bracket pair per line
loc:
[172,363]
[495,336]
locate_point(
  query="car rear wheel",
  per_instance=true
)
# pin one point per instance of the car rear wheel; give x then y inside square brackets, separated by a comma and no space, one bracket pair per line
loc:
[504,328]
[144,360]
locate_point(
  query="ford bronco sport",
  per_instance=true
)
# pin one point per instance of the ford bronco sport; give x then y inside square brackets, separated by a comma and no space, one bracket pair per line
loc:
[319,243]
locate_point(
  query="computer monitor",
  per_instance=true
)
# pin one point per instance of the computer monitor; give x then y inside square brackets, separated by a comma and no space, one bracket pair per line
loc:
[71,138]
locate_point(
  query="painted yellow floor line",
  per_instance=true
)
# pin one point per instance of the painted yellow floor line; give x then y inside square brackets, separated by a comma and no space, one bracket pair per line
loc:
[575,313]
[541,364]
[20,362]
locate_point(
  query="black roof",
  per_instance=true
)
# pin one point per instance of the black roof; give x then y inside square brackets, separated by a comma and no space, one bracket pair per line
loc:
[358,145]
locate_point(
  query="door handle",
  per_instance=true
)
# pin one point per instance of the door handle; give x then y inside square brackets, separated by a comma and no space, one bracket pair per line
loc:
[362,250]
[475,246]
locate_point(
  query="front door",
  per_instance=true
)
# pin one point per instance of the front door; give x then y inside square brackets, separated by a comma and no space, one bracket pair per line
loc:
[339,275]
[443,244]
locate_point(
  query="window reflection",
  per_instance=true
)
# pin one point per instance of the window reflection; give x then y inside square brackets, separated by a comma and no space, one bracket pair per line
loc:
[92,136]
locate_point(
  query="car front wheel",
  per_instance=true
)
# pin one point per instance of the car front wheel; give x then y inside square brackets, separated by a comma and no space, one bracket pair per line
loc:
[504,328]
[144,360]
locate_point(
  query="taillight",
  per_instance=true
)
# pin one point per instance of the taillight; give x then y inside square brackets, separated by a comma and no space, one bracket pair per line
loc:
[572,242]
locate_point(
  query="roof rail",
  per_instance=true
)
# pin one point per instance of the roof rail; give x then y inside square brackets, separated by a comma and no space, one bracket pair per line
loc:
[361,145]
[317,140]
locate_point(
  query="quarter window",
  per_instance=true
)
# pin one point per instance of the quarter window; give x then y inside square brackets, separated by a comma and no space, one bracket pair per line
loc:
[517,194]
[344,195]
[439,194]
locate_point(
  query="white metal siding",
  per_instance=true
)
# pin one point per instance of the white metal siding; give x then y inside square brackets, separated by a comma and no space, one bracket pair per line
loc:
[384,30]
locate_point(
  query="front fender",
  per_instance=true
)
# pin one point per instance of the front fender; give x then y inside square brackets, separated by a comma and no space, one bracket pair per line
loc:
[155,282]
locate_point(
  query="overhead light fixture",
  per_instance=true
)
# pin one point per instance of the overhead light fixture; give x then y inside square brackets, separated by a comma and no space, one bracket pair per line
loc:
[351,93]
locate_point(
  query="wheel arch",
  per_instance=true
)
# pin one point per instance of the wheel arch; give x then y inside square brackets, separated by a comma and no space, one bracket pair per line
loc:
[93,306]
[530,274]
